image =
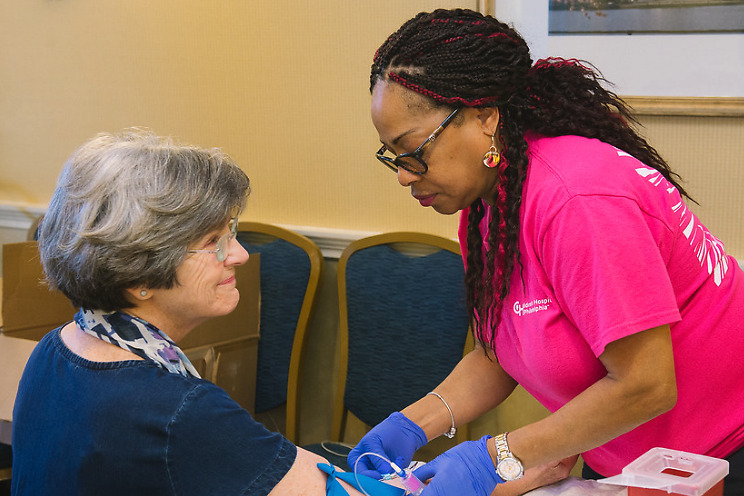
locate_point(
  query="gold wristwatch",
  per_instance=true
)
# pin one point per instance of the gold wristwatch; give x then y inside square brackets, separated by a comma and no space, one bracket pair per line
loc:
[508,466]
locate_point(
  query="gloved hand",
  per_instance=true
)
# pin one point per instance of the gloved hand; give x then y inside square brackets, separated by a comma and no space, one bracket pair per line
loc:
[396,438]
[465,470]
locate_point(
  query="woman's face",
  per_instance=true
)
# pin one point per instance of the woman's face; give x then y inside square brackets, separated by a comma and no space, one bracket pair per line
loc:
[205,289]
[456,176]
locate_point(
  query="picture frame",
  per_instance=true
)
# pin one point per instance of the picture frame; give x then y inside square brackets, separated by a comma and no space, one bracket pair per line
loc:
[573,17]
[670,66]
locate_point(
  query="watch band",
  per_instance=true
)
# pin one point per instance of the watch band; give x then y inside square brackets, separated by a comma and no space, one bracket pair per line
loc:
[508,466]
[502,447]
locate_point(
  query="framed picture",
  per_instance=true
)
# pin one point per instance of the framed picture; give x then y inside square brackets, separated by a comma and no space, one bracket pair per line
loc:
[569,17]
[650,48]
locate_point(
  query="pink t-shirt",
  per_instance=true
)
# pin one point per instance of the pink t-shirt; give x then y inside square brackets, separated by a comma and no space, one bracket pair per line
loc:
[609,249]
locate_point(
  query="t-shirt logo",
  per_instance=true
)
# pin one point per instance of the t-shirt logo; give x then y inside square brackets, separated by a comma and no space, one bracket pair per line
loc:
[522,309]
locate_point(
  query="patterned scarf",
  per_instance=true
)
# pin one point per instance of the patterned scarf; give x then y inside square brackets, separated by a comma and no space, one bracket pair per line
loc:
[137,336]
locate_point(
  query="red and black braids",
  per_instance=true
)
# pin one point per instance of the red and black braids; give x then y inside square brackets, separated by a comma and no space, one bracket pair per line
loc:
[449,56]
[461,58]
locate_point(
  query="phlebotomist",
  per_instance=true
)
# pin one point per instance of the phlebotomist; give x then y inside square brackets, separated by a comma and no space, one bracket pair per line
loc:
[591,282]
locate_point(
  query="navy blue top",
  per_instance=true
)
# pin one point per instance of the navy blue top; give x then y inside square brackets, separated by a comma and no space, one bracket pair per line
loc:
[123,428]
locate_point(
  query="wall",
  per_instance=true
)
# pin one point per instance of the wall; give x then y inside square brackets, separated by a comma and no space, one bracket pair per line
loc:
[283,88]
[707,152]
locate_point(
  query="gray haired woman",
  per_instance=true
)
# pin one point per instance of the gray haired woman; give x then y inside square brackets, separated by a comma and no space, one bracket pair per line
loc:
[140,234]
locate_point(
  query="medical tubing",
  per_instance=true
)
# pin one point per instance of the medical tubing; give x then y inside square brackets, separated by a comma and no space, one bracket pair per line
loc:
[410,481]
[329,450]
[412,484]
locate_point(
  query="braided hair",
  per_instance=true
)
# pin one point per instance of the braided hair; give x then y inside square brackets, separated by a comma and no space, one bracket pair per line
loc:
[461,58]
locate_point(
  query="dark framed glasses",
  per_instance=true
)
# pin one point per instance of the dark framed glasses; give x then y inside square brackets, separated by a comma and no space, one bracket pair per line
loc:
[413,161]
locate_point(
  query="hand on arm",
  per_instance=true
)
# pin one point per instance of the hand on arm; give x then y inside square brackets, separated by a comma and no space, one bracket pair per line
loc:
[305,478]
[639,385]
[465,469]
[542,475]
[396,438]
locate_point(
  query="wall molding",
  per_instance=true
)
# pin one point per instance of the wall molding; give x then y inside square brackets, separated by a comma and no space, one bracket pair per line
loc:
[686,106]
[19,216]
[331,241]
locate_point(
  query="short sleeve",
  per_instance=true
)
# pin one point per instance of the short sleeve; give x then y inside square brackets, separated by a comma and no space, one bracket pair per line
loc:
[216,447]
[602,255]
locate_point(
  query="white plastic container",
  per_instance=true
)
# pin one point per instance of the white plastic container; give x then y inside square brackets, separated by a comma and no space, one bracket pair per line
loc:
[662,471]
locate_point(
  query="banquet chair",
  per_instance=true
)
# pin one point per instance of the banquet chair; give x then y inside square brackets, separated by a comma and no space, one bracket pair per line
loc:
[291,268]
[6,462]
[33,230]
[404,324]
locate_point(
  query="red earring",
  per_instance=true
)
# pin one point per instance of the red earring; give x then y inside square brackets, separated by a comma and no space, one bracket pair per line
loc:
[492,157]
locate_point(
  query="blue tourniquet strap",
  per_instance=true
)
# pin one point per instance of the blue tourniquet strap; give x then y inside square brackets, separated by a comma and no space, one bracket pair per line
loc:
[373,487]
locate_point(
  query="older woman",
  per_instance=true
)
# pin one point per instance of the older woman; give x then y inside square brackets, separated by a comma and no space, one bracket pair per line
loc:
[140,234]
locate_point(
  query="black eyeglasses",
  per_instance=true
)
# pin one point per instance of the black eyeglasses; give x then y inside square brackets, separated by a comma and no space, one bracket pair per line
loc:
[412,161]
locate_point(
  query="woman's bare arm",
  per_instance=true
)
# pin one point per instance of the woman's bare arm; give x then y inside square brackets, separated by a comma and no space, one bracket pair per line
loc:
[640,384]
[306,479]
[476,385]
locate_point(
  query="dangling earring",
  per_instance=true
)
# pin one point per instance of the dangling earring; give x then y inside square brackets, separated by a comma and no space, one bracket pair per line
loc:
[492,157]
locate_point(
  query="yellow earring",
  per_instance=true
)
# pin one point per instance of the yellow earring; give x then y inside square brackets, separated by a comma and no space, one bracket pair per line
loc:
[492,157]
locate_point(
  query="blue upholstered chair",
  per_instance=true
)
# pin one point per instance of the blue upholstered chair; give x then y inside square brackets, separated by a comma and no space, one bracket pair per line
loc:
[404,324]
[291,268]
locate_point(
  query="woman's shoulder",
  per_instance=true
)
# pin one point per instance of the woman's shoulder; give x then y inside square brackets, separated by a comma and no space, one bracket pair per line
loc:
[575,165]
[574,153]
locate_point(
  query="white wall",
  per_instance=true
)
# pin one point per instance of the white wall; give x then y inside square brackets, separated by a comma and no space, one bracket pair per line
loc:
[639,65]
[662,64]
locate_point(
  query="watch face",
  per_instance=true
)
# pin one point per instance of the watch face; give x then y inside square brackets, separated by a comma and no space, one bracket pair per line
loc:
[509,469]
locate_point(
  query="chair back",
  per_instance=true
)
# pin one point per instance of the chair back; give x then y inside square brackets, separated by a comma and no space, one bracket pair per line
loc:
[291,268]
[403,323]
[6,462]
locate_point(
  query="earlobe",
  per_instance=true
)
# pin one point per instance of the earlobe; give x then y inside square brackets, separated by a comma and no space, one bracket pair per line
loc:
[489,119]
[139,294]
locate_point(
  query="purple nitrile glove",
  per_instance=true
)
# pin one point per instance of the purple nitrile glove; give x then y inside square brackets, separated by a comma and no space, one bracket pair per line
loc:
[396,438]
[465,470]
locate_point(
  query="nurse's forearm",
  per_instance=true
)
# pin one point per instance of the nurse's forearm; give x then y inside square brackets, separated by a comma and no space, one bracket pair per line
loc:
[640,385]
[475,386]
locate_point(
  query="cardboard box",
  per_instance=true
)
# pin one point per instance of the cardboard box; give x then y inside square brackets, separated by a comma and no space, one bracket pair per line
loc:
[662,471]
[30,309]
[224,349]
[14,353]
